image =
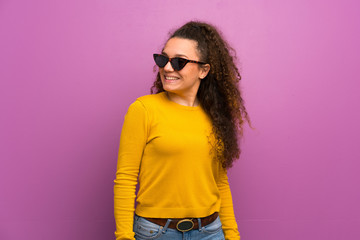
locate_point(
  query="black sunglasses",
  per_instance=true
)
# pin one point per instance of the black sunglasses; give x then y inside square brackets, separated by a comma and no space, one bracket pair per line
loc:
[177,63]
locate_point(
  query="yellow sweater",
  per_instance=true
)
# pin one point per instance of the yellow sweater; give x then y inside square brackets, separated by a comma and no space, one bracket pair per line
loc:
[166,146]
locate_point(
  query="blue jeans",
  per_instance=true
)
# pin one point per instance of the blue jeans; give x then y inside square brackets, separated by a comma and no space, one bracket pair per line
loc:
[145,229]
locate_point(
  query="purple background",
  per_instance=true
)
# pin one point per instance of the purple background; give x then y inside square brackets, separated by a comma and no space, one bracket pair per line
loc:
[70,69]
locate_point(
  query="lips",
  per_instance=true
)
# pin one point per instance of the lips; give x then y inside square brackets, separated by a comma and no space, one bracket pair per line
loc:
[170,78]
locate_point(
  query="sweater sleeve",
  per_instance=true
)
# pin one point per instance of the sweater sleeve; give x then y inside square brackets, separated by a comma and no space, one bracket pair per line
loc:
[132,143]
[226,213]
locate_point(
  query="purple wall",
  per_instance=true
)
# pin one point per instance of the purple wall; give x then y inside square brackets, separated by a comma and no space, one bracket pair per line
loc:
[70,69]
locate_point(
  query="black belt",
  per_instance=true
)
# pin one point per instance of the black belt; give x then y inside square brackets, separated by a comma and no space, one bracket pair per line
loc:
[184,224]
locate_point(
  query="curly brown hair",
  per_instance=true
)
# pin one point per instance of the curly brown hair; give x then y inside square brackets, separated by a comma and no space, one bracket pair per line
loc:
[218,92]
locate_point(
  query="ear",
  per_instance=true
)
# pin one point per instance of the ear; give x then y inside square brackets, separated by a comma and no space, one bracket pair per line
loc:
[204,70]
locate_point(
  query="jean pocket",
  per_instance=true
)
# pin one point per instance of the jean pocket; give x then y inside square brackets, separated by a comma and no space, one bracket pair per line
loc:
[145,229]
[213,227]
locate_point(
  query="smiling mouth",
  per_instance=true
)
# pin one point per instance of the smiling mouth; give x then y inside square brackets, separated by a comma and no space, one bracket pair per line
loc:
[170,78]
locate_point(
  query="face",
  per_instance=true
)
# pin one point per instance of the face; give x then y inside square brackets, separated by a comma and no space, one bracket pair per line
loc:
[187,80]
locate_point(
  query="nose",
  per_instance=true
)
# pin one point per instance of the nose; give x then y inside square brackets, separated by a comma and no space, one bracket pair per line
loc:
[168,67]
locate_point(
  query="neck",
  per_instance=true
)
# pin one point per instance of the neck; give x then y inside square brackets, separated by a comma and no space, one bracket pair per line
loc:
[186,100]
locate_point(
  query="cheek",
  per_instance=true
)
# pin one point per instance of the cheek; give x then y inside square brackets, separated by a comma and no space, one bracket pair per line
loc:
[192,75]
[161,73]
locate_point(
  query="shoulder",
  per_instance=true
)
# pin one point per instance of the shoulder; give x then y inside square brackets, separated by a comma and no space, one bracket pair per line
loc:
[147,103]
[152,100]
[146,106]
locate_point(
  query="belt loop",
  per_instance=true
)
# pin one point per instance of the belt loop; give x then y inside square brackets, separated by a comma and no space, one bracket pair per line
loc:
[166,225]
[199,220]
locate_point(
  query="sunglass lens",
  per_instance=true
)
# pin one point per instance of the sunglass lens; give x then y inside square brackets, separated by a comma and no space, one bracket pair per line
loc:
[180,63]
[175,64]
[160,60]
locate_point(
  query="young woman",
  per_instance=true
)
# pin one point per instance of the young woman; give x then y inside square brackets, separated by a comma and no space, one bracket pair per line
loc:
[180,142]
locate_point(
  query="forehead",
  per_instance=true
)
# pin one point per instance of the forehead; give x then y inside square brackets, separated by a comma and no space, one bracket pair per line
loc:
[181,47]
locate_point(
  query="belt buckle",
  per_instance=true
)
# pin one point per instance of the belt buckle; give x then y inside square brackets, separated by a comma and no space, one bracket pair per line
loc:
[185,225]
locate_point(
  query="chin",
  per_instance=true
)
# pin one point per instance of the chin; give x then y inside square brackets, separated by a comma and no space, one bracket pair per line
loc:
[169,87]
